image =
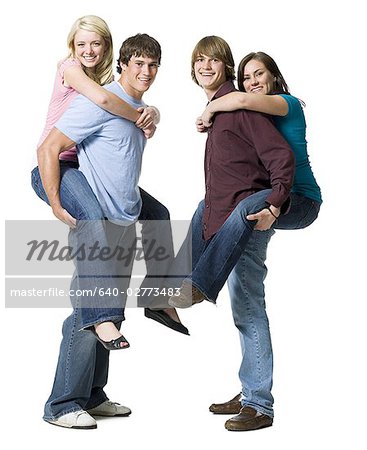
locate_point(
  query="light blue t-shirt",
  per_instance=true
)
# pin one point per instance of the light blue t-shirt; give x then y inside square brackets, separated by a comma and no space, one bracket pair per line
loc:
[110,151]
[293,128]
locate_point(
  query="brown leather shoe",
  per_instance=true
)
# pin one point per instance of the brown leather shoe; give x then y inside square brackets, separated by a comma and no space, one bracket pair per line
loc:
[231,407]
[188,295]
[248,419]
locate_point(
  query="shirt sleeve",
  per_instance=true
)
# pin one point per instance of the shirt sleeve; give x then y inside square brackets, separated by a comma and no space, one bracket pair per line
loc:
[276,156]
[63,65]
[82,119]
[294,105]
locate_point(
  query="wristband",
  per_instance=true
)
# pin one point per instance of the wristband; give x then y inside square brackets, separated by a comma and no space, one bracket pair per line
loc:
[271,212]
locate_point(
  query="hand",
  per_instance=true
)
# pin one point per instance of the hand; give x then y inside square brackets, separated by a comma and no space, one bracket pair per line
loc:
[147,117]
[200,125]
[206,118]
[265,218]
[64,216]
[149,131]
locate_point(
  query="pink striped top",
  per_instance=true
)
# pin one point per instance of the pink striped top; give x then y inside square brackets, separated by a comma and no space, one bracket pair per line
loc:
[60,100]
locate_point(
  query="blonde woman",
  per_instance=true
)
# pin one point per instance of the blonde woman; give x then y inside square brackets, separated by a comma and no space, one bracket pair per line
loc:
[85,70]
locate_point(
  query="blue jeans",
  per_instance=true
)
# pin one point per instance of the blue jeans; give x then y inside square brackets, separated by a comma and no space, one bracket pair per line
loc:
[79,200]
[213,260]
[81,372]
[99,276]
[247,293]
[82,367]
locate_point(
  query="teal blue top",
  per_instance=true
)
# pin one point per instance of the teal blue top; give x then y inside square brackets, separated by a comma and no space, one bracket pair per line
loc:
[293,128]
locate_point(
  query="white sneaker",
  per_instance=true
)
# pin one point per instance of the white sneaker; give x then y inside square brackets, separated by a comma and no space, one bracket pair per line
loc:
[77,419]
[108,408]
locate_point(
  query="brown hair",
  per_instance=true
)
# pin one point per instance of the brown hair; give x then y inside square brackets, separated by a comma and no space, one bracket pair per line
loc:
[139,45]
[214,47]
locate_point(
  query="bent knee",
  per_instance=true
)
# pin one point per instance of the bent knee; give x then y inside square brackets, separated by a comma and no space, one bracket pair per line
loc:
[78,197]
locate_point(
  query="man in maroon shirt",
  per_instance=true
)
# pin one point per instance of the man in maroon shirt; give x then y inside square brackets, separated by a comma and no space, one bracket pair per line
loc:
[249,169]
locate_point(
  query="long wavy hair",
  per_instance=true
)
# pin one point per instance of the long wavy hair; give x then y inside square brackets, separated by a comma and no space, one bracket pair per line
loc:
[103,72]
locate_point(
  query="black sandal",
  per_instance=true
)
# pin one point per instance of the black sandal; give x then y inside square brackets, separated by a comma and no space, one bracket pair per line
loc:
[114,344]
[162,317]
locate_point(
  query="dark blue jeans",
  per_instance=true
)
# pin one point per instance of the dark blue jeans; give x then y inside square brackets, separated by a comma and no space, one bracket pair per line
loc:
[212,261]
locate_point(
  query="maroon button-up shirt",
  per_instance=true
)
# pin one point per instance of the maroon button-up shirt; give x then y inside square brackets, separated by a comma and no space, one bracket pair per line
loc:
[244,154]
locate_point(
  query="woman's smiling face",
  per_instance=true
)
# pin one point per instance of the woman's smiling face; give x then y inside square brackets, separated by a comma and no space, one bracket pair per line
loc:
[89,48]
[257,79]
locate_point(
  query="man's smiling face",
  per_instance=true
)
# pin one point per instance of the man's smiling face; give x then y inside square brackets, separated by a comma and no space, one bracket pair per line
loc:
[210,73]
[138,75]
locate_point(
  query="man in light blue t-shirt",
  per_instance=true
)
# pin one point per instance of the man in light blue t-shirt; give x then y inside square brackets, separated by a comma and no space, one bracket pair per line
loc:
[110,151]
[110,148]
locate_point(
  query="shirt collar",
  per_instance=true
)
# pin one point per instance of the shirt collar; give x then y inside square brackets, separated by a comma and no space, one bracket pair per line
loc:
[226,87]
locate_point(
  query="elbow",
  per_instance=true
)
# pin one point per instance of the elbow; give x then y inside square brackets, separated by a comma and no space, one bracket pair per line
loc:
[103,100]
[47,152]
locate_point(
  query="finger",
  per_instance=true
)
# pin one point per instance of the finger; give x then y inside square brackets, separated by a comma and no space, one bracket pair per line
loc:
[261,226]
[67,222]
[69,219]
[147,122]
[139,123]
[149,133]
[144,116]
[253,217]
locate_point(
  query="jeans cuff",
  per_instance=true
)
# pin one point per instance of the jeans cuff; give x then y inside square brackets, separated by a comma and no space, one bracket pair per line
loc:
[114,319]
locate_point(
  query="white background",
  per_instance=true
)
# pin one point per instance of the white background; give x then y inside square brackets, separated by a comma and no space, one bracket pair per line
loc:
[316,283]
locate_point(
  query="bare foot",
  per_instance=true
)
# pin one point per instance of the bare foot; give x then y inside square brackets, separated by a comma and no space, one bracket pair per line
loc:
[107,331]
[173,314]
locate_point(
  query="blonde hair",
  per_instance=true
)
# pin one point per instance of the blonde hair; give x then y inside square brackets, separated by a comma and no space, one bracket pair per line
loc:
[103,72]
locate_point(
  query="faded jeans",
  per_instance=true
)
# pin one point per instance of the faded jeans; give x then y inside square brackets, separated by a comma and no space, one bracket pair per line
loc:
[82,367]
[247,294]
